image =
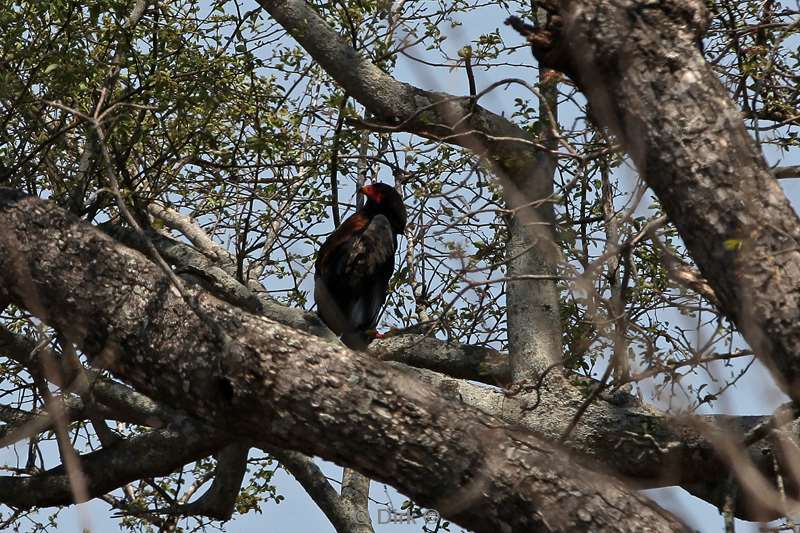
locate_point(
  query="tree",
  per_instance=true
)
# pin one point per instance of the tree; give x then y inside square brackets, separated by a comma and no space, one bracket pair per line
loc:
[171,169]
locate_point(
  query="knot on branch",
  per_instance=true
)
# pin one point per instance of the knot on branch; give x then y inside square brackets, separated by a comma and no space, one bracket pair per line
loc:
[577,34]
[693,14]
[545,40]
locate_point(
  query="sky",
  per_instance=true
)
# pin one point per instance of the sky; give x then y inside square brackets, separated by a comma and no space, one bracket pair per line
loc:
[755,394]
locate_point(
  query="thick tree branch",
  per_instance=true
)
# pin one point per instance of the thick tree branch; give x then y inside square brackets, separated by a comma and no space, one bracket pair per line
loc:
[237,371]
[324,495]
[611,431]
[533,307]
[130,406]
[637,442]
[646,79]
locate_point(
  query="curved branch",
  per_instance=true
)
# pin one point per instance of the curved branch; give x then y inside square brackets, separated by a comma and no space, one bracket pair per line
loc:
[638,442]
[313,480]
[219,501]
[156,453]
[261,380]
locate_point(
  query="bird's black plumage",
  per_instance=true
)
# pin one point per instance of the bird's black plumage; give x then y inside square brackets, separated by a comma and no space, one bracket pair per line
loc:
[355,264]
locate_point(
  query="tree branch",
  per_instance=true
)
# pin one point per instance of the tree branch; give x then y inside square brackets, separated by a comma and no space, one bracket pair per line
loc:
[156,453]
[646,79]
[324,495]
[219,501]
[632,440]
[456,360]
[611,430]
[317,398]
[355,499]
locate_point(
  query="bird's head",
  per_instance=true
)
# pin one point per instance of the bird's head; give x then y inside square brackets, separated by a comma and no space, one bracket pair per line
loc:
[385,200]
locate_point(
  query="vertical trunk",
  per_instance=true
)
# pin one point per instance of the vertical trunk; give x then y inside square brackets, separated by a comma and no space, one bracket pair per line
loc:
[616,281]
[646,80]
[534,322]
[355,500]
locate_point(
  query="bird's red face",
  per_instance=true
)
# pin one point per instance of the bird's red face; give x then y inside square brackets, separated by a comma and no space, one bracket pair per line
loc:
[385,199]
[372,192]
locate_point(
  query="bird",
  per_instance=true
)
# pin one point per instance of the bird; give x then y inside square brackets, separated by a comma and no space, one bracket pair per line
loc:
[356,262]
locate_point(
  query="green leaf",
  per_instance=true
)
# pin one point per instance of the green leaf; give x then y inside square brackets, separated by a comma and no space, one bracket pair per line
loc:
[732,245]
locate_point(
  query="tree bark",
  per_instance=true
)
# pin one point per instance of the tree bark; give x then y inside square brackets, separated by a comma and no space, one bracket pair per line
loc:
[260,380]
[645,77]
[632,440]
[533,305]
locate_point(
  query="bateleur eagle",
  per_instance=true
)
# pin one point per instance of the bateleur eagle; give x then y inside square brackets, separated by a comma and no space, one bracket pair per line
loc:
[355,263]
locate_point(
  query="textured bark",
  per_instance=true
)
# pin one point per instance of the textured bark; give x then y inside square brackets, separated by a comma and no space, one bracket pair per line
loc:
[118,402]
[477,363]
[532,305]
[259,380]
[645,78]
[355,499]
[635,441]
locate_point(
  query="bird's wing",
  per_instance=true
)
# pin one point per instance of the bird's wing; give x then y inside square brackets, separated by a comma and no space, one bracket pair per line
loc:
[339,242]
[353,269]
[371,263]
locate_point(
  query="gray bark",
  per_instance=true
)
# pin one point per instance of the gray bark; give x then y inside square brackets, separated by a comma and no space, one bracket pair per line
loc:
[637,442]
[645,78]
[355,498]
[533,307]
[259,380]
[629,439]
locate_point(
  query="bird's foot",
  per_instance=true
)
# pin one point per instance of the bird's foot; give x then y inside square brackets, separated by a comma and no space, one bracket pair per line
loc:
[375,334]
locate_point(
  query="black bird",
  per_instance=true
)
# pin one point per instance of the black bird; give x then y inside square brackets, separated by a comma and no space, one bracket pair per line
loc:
[355,263]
